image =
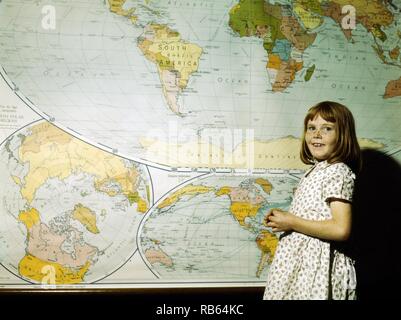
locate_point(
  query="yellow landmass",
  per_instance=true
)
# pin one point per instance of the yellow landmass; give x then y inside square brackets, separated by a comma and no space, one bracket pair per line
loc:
[377,32]
[309,20]
[368,143]
[17,180]
[110,193]
[32,268]
[148,193]
[234,9]
[86,216]
[133,197]
[116,6]
[52,153]
[281,153]
[274,62]
[29,218]
[163,62]
[241,210]
[223,191]
[267,242]
[175,59]
[42,133]
[265,184]
[142,206]
[124,179]
[168,51]
[155,241]
[164,34]
[134,19]
[191,190]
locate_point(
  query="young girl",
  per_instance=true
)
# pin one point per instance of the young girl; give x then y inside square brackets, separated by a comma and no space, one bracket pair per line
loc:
[306,265]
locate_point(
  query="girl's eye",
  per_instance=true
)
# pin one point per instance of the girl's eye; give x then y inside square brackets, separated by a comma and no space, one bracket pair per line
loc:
[311,128]
[327,129]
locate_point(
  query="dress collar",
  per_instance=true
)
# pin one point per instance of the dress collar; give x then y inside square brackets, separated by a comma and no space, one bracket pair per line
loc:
[318,165]
[321,164]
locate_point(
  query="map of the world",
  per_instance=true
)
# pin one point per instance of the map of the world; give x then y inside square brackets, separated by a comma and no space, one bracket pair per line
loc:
[142,142]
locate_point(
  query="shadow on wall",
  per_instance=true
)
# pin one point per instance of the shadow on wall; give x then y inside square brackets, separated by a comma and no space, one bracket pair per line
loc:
[377,227]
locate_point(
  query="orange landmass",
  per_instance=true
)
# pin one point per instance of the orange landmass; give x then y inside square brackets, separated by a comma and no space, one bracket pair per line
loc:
[158,256]
[393,89]
[274,62]
[286,74]
[266,185]
[241,210]
[267,242]
[394,53]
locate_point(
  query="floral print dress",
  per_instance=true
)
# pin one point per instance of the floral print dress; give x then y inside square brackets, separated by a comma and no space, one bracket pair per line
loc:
[305,267]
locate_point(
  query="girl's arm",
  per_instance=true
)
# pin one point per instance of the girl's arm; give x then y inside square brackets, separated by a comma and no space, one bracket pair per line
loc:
[338,228]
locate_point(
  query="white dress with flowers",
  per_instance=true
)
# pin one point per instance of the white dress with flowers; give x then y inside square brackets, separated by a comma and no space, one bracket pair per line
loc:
[305,267]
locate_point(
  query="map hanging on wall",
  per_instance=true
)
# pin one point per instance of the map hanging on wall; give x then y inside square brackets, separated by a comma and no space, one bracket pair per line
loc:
[143,142]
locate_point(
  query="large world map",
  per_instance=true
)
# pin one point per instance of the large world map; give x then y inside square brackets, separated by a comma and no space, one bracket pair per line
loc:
[143,141]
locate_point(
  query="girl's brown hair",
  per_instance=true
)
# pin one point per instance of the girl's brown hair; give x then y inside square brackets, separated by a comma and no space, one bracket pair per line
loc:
[347,148]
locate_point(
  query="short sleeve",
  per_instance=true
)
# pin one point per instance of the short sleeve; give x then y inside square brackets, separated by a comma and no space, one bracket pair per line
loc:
[339,183]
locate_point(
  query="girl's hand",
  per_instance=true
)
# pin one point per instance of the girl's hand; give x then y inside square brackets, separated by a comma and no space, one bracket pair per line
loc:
[266,219]
[279,220]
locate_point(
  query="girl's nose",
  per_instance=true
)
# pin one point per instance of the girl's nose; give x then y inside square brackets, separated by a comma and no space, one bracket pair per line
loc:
[317,134]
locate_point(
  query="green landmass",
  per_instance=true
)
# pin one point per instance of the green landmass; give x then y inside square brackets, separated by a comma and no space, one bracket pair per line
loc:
[309,72]
[249,15]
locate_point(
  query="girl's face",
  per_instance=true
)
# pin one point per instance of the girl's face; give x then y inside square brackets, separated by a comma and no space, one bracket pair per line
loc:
[320,138]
